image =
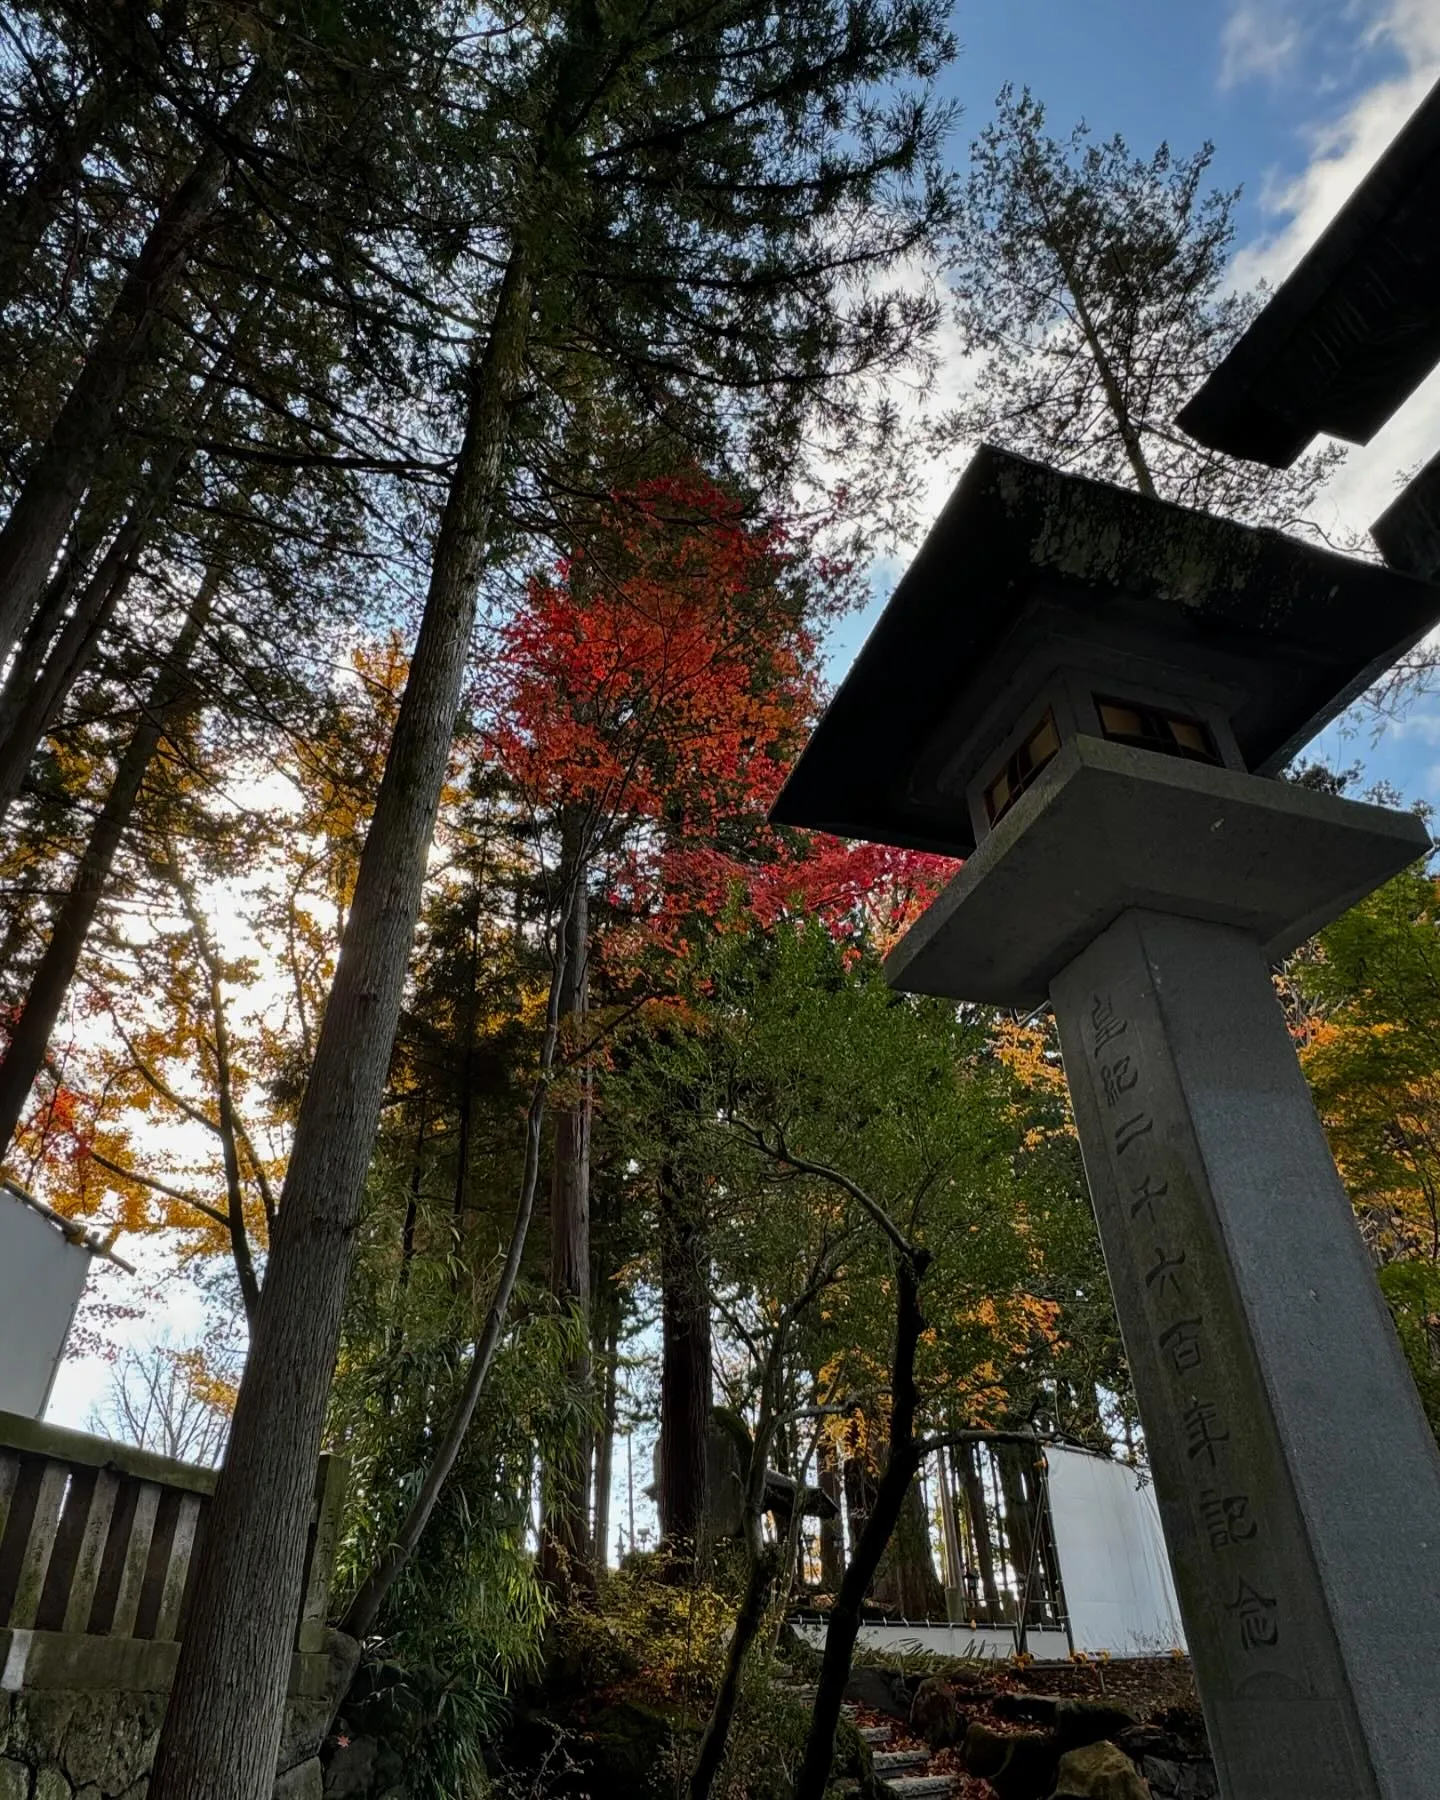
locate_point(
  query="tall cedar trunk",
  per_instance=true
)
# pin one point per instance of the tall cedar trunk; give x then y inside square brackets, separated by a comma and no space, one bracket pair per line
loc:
[901,1462]
[221,1732]
[96,521]
[832,1531]
[605,1449]
[566,1549]
[117,363]
[51,657]
[51,981]
[907,1575]
[70,651]
[459,1192]
[225,1116]
[976,1513]
[1020,1483]
[685,1368]
[949,1519]
[27,214]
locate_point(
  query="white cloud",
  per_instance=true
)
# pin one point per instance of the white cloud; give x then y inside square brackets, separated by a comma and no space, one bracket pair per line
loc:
[1260,42]
[1342,153]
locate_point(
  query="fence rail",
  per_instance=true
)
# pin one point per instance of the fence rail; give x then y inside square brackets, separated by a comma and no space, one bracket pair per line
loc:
[99,1540]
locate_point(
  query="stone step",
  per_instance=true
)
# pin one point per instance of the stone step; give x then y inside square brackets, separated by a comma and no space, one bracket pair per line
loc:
[877,1734]
[887,1761]
[919,1787]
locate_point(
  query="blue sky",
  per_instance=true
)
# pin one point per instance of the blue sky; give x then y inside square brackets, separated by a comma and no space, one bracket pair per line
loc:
[1298,97]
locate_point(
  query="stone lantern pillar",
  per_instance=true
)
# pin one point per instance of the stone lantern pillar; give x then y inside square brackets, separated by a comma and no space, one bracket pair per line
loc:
[1087,694]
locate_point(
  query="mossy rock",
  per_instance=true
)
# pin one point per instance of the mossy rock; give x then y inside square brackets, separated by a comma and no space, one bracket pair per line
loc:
[854,1761]
[1099,1772]
[1018,1768]
[628,1749]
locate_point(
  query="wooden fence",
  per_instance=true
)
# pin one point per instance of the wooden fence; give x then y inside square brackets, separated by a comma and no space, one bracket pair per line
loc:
[99,1540]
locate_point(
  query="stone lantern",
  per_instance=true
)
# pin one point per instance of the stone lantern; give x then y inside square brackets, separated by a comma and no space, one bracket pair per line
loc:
[1087,694]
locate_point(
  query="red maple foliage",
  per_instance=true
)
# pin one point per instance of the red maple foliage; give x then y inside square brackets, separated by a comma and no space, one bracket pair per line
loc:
[663,679]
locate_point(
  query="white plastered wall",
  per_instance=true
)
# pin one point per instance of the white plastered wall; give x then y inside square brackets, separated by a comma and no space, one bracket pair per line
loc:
[1118,1590]
[42,1275]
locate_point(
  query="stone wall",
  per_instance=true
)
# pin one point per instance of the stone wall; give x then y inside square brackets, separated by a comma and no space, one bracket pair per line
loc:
[90,1743]
[97,1562]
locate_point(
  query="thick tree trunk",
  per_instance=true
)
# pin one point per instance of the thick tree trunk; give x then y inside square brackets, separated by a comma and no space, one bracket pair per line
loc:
[908,1567]
[96,522]
[1020,1522]
[832,1531]
[902,1461]
[978,1517]
[25,1054]
[605,1450]
[685,1368]
[114,368]
[859,1486]
[566,1551]
[221,1732]
[28,213]
[71,650]
[226,1119]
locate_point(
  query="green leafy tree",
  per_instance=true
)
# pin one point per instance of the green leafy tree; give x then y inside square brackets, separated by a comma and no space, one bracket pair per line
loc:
[1369,1029]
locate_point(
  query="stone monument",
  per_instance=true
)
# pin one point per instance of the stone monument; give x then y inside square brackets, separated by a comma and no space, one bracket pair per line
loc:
[1087,695]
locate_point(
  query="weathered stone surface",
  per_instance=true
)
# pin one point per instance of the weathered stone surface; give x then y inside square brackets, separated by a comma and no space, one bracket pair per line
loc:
[1027,1709]
[14,1780]
[983,1751]
[350,1771]
[303,1782]
[1297,1479]
[1098,1772]
[1074,1722]
[1021,1767]
[50,1784]
[38,1724]
[934,1715]
[1081,1722]
[1162,1774]
[1028,1771]
[883,1691]
[308,1720]
[85,1750]
[1198,1781]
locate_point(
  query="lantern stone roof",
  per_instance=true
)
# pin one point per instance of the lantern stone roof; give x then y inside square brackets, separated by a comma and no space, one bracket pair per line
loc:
[1353,331]
[1289,631]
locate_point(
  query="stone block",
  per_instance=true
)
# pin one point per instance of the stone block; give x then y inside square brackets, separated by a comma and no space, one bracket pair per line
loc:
[131,1749]
[934,1715]
[303,1782]
[1198,1781]
[50,1784]
[39,1723]
[14,1780]
[882,1690]
[308,1716]
[1162,1774]
[84,1752]
[1098,1772]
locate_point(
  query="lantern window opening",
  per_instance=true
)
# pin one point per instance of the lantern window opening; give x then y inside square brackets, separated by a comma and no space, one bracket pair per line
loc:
[1021,768]
[1156,728]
